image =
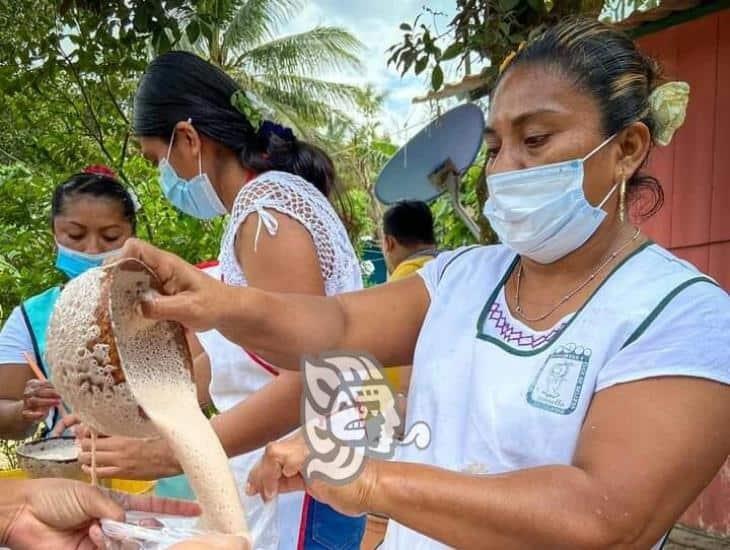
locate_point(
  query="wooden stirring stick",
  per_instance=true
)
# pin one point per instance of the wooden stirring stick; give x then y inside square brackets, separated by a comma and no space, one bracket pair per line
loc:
[40,376]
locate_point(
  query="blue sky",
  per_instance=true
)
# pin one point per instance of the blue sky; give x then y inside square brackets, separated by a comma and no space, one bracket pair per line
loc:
[375,23]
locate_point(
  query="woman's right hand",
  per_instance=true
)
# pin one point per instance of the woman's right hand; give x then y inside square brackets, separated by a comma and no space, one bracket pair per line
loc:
[189,296]
[39,397]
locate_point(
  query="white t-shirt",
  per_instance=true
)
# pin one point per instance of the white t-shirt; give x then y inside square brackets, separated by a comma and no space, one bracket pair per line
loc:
[496,403]
[15,339]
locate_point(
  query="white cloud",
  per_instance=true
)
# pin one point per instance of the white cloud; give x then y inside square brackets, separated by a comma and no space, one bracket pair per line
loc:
[375,23]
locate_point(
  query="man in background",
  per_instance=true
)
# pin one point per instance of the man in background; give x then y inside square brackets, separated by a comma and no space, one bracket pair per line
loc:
[408,238]
[408,244]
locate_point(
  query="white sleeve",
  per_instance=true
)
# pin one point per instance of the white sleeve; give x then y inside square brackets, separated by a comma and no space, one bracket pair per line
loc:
[296,198]
[686,336]
[15,339]
[432,272]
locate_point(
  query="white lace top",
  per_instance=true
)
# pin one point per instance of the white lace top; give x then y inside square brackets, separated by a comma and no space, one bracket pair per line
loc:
[301,201]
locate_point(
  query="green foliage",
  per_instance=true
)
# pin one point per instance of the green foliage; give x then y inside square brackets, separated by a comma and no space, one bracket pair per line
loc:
[242,36]
[491,29]
[26,243]
[67,79]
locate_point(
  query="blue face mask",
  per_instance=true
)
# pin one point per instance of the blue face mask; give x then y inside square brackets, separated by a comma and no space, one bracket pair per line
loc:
[74,263]
[196,196]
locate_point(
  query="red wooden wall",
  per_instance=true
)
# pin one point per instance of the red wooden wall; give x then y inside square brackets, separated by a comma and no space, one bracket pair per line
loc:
[695,174]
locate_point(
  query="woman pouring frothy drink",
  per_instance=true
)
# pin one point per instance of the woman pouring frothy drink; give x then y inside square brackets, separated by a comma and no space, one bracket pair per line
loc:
[604,410]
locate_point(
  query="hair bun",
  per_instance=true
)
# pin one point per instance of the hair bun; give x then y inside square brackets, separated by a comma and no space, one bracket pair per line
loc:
[269,128]
[100,170]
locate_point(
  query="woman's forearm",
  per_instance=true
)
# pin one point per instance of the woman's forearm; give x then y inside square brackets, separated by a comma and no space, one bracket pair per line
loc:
[12,423]
[548,507]
[286,324]
[12,499]
[265,416]
[384,321]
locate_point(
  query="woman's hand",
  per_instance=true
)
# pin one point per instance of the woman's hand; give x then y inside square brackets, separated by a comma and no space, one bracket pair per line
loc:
[280,471]
[67,422]
[189,296]
[39,397]
[129,458]
[60,514]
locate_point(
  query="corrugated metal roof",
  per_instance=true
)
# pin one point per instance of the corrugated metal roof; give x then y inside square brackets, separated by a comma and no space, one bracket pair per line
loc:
[665,9]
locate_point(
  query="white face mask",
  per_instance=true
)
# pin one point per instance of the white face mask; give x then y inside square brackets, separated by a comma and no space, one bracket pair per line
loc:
[542,212]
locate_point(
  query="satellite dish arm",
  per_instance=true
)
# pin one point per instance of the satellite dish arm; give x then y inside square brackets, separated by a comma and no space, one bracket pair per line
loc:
[453,182]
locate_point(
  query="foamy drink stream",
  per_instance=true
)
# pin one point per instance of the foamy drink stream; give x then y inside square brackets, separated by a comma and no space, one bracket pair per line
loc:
[103,304]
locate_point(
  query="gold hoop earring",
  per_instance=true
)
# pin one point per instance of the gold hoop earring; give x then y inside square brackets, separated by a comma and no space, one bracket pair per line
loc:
[622,200]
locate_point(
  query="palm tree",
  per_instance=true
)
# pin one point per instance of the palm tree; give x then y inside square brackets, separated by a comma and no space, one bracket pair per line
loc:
[284,72]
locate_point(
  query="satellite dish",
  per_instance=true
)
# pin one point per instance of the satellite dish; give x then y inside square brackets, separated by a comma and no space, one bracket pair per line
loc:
[434,161]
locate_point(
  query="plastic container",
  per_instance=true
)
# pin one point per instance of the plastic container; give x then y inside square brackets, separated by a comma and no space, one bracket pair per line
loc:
[145,532]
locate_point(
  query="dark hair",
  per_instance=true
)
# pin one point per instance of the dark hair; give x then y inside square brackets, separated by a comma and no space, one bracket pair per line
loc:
[410,223]
[96,183]
[605,63]
[180,85]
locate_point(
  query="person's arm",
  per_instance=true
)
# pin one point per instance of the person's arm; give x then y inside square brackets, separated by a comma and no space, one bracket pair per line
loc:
[201,368]
[13,425]
[384,320]
[646,450]
[23,401]
[284,262]
[244,428]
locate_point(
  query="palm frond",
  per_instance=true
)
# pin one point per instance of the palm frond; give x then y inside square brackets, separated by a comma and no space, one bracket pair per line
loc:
[256,21]
[310,52]
[303,111]
[335,94]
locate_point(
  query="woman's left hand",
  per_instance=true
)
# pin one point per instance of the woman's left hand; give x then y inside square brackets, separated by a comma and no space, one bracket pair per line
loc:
[129,458]
[280,471]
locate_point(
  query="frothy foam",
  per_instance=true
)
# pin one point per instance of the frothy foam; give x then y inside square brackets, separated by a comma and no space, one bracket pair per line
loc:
[109,361]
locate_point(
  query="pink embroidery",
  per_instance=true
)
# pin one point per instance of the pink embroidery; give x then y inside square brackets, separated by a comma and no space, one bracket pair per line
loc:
[514,335]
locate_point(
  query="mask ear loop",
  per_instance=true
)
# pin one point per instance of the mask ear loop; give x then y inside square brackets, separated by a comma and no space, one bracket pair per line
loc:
[169,147]
[589,155]
[613,189]
[200,161]
[172,140]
